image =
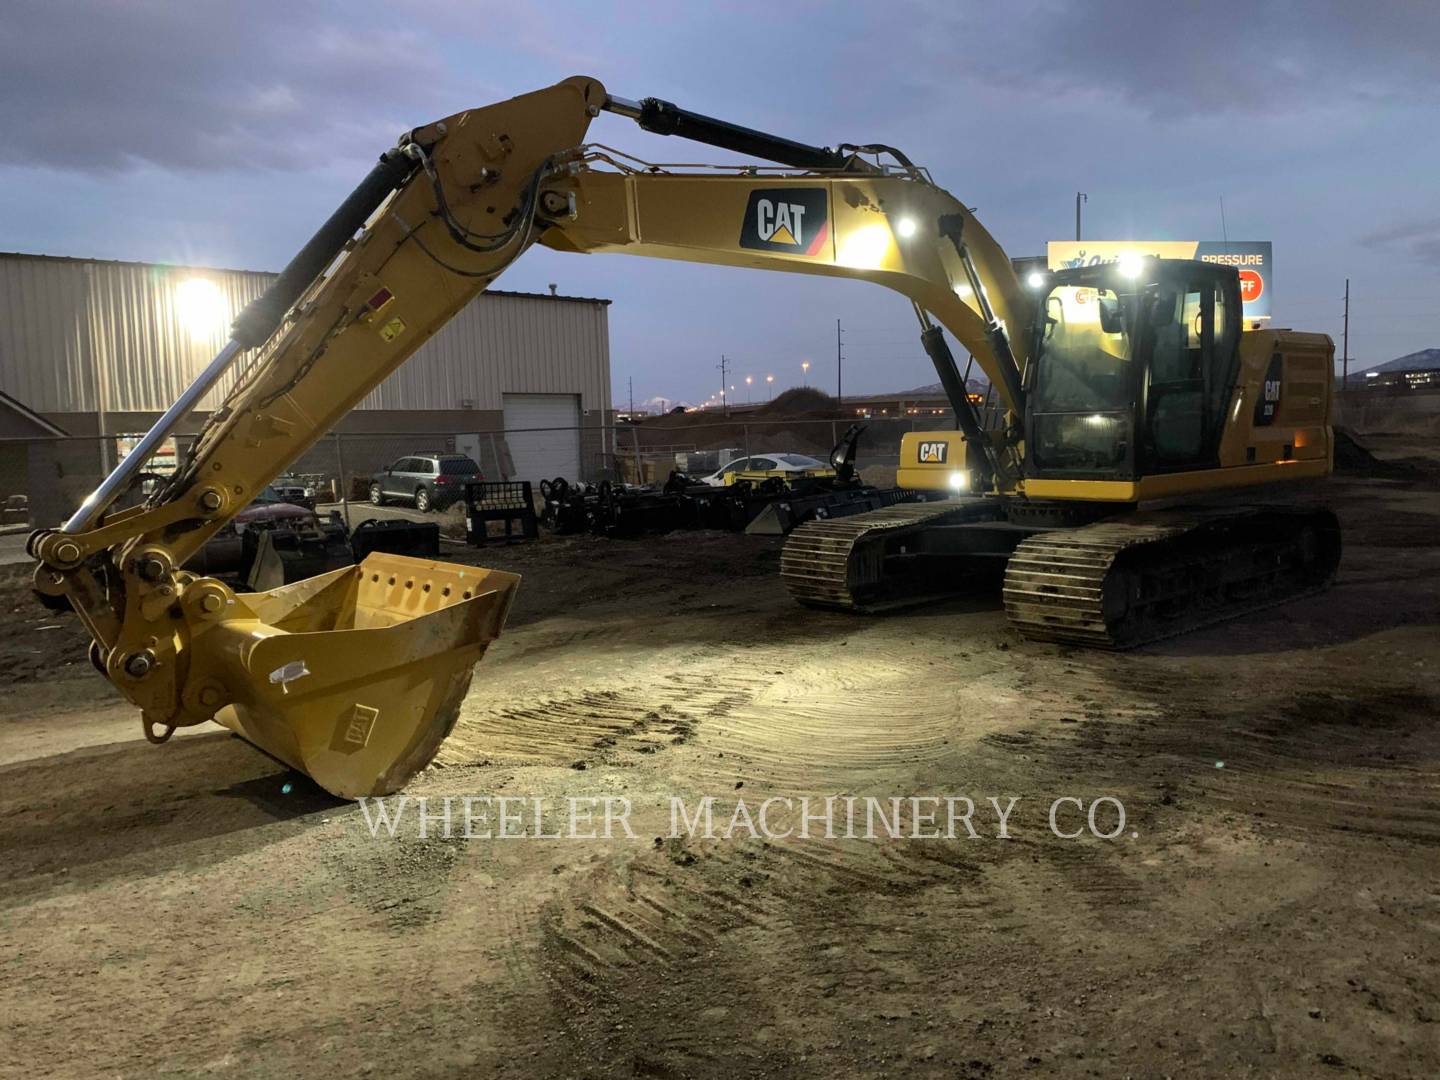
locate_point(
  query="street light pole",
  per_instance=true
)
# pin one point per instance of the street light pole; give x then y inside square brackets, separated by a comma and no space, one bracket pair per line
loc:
[1345,349]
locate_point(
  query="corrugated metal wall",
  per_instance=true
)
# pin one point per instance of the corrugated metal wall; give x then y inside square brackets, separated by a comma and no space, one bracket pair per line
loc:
[80,336]
[503,344]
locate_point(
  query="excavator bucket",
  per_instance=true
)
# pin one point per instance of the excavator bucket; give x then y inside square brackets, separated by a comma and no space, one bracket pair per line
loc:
[355,677]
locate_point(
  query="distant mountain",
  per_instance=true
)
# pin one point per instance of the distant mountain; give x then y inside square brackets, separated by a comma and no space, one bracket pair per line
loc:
[1424,360]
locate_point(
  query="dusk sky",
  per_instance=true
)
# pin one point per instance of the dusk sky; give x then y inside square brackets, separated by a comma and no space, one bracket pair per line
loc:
[222,134]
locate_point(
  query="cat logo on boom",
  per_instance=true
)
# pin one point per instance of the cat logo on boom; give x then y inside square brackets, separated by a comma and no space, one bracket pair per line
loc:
[793,220]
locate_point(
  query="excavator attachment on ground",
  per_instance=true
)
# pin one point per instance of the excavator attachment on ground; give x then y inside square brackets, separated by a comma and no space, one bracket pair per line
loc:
[355,677]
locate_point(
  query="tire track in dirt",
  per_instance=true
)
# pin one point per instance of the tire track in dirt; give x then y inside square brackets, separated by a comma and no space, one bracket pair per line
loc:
[688,925]
[1178,741]
[831,728]
[1363,759]
[583,725]
[684,899]
[531,640]
[1084,714]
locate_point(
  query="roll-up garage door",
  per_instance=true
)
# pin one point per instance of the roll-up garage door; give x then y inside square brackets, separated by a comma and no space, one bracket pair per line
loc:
[543,455]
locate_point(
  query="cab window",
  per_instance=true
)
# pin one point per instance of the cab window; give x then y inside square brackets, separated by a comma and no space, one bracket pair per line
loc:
[1084,350]
[1084,385]
[1180,325]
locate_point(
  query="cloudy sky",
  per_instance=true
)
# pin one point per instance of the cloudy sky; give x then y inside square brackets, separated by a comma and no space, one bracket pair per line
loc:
[222,133]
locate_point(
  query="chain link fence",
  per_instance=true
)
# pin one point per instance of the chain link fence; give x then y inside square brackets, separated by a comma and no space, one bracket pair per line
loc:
[42,480]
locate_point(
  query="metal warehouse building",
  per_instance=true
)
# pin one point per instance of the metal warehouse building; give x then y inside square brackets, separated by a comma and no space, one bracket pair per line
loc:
[97,348]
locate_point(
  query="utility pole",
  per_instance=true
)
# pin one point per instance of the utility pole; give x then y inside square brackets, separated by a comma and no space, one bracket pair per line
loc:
[632,395]
[724,366]
[1345,349]
[1080,197]
[839,367]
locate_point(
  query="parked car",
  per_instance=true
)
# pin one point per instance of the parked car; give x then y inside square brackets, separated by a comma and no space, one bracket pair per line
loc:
[426,481]
[294,491]
[784,465]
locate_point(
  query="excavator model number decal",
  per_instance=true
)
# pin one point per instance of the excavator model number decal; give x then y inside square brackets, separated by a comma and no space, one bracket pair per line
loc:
[793,220]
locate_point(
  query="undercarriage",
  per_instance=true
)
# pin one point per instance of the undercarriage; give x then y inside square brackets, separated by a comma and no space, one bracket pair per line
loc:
[1128,578]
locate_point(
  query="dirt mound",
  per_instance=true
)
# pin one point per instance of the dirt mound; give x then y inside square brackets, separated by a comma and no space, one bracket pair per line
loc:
[799,401]
[1352,458]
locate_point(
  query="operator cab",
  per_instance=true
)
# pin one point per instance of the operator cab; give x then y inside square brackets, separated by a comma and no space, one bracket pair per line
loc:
[1133,365]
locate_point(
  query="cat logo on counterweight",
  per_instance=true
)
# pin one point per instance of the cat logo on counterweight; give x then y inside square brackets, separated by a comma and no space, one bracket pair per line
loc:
[793,220]
[933,453]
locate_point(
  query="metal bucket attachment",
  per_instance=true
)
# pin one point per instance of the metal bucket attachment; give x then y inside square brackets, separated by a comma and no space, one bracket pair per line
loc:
[355,677]
[284,556]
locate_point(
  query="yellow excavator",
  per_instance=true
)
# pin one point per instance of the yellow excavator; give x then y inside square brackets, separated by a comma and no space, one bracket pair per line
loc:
[1122,386]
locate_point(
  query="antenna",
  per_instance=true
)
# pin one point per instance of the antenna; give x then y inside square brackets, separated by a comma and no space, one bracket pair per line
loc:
[1224,232]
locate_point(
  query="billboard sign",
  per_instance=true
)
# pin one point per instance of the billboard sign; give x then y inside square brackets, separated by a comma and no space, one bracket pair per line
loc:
[1252,258]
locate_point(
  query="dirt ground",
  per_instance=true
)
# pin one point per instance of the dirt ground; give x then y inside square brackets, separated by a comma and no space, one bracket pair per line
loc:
[1271,906]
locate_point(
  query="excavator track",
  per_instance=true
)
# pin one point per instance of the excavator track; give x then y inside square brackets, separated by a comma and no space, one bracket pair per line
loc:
[1126,581]
[848,564]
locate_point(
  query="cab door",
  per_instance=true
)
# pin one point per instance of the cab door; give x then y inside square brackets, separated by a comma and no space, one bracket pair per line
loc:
[1193,355]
